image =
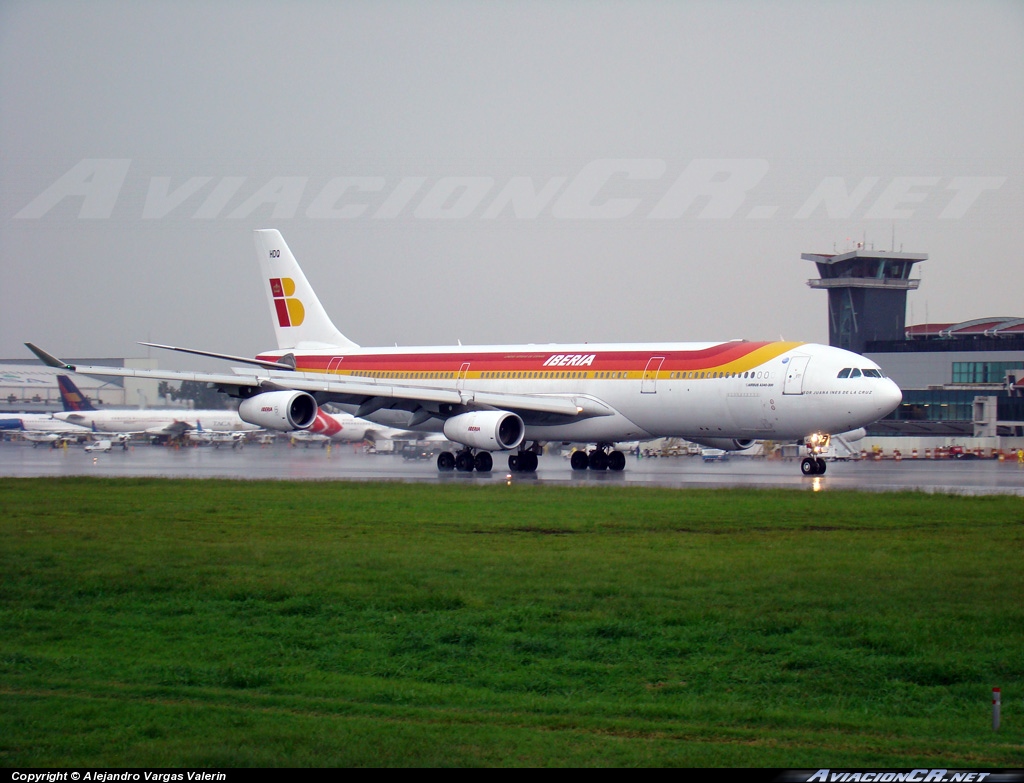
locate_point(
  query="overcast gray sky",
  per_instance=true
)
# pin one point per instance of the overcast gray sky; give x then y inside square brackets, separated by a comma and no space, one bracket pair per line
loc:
[499,172]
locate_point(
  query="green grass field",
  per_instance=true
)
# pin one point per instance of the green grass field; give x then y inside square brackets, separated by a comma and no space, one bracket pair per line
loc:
[228,623]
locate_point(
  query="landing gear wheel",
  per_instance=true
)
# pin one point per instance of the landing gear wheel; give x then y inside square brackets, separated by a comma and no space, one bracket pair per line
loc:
[527,462]
[616,461]
[445,461]
[578,460]
[483,462]
[809,466]
[821,466]
[523,462]
[598,460]
[464,461]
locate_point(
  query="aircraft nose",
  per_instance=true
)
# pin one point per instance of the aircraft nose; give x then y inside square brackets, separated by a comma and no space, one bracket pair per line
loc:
[891,397]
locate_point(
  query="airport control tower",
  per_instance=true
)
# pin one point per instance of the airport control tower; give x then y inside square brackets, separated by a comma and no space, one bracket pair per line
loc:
[867,294]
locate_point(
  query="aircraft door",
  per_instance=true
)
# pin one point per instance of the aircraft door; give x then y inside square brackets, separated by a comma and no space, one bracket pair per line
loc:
[462,376]
[649,384]
[335,365]
[795,371]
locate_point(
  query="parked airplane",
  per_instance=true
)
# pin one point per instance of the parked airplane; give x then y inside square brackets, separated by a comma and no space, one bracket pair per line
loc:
[55,439]
[43,428]
[152,422]
[346,428]
[514,398]
[342,428]
[41,423]
[235,439]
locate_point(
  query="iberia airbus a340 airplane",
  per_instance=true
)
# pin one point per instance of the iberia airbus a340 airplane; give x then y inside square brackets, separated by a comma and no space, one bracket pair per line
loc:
[515,398]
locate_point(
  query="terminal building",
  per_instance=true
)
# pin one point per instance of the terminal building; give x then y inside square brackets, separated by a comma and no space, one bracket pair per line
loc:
[959,380]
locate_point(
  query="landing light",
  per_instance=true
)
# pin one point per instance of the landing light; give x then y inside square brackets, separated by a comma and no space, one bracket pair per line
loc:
[817,442]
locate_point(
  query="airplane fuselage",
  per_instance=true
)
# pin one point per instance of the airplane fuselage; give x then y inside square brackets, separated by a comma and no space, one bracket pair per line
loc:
[45,422]
[696,391]
[154,421]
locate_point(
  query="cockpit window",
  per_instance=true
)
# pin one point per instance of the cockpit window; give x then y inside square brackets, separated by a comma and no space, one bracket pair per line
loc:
[853,372]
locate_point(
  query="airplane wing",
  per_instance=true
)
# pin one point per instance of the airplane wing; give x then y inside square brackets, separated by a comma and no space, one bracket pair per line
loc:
[42,437]
[369,394]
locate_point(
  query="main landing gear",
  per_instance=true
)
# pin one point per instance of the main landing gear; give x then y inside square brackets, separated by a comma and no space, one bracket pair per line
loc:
[465,461]
[598,459]
[523,462]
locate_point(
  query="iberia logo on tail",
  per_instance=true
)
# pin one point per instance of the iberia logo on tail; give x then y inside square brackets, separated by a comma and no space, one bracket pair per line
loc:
[290,311]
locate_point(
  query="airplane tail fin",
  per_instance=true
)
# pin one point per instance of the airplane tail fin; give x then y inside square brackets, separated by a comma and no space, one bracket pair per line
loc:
[71,398]
[300,321]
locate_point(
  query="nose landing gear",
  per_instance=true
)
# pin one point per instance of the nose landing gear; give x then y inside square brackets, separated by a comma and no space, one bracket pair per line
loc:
[814,465]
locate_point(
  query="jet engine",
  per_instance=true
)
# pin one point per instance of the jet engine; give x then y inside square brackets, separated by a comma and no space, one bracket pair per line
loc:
[279,410]
[725,444]
[488,430]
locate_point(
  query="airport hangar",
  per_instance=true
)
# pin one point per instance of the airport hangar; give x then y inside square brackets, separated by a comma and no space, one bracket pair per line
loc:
[32,388]
[963,383]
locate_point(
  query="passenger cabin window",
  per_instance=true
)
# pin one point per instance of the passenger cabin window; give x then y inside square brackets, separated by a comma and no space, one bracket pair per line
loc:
[844,373]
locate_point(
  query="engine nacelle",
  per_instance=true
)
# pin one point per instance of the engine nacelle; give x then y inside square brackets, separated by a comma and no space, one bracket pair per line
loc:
[725,444]
[488,430]
[279,410]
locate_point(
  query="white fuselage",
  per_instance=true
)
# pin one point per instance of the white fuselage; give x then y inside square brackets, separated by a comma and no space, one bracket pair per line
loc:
[343,428]
[696,391]
[155,421]
[45,422]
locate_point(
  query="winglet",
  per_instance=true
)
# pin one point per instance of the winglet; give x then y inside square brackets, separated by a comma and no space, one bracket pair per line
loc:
[48,358]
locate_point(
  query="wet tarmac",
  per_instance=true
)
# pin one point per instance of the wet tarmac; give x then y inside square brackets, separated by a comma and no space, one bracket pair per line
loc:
[346,463]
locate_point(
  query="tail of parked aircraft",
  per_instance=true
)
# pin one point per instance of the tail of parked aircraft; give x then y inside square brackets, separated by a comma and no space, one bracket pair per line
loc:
[71,398]
[300,321]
